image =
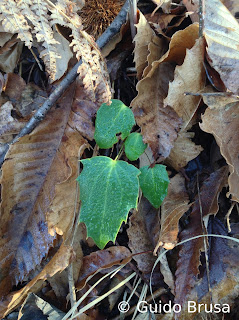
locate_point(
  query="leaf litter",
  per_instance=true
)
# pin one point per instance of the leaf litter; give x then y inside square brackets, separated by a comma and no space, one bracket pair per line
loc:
[184,121]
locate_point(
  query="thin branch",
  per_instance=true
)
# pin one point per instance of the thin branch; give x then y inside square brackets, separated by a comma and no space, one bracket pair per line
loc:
[40,114]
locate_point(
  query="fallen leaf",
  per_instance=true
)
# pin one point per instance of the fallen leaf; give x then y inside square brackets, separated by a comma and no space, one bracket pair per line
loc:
[184,150]
[63,48]
[190,77]
[223,274]
[83,112]
[159,125]
[142,40]
[174,206]
[59,262]
[221,33]
[35,306]
[180,42]
[143,233]
[33,167]
[102,259]
[189,254]
[223,123]
[139,240]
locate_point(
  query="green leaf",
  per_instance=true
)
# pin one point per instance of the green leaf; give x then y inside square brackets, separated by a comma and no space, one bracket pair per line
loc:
[154,183]
[112,120]
[134,146]
[108,190]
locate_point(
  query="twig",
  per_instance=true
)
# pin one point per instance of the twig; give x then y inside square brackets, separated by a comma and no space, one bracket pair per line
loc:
[40,114]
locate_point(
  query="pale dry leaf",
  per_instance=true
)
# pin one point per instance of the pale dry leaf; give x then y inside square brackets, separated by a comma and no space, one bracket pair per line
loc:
[65,52]
[174,206]
[223,123]
[142,40]
[9,59]
[190,77]
[156,49]
[183,151]
[221,31]
[180,42]
[59,262]
[159,125]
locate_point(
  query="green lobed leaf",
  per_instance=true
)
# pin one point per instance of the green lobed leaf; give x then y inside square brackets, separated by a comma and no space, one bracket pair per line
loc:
[154,183]
[112,120]
[134,146]
[108,190]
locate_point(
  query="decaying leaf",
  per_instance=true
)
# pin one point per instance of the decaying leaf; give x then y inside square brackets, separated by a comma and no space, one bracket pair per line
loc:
[33,167]
[159,125]
[189,255]
[174,206]
[102,259]
[223,276]
[221,31]
[143,232]
[190,77]
[59,262]
[223,123]
[139,240]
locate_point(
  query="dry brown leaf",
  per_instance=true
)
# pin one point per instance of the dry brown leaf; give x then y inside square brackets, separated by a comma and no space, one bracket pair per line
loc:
[223,275]
[190,77]
[184,150]
[14,86]
[174,206]
[32,169]
[139,240]
[84,110]
[142,40]
[221,31]
[102,259]
[148,47]
[159,125]
[223,123]
[189,255]
[180,42]
[59,262]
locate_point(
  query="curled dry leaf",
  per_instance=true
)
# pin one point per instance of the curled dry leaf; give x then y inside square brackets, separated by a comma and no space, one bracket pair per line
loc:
[59,262]
[174,206]
[33,167]
[142,40]
[102,259]
[221,31]
[180,42]
[148,47]
[159,125]
[189,255]
[190,77]
[223,123]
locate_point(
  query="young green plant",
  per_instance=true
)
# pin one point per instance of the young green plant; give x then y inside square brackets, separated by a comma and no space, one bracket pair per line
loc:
[110,188]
